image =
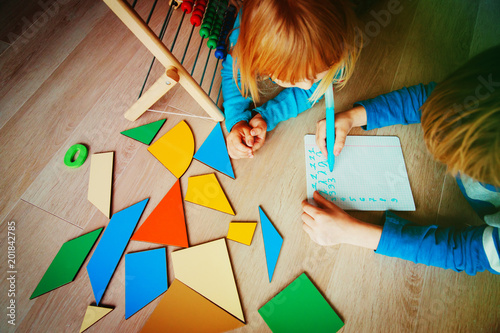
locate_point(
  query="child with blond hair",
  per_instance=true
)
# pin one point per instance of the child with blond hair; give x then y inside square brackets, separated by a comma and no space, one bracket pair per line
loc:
[461,123]
[300,46]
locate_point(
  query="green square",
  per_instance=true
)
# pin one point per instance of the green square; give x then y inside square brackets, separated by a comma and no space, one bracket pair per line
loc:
[300,307]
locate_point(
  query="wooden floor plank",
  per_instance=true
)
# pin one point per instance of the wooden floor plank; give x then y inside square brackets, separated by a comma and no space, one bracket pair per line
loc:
[459,302]
[30,61]
[38,130]
[58,189]
[17,17]
[39,236]
[487,29]
[370,292]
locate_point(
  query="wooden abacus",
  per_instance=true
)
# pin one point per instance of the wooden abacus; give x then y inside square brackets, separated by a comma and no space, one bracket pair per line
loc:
[217,22]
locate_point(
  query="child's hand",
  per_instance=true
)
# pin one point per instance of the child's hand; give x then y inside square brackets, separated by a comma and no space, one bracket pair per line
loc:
[343,125]
[344,122]
[328,225]
[246,138]
[240,141]
[258,132]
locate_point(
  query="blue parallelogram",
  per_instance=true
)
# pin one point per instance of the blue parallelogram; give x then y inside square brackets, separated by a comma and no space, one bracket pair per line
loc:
[110,249]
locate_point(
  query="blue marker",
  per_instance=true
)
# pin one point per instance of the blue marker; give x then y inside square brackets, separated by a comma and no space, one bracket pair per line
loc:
[330,126]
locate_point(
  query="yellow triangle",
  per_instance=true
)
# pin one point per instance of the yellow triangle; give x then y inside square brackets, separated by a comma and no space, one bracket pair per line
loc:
[206,191]
[175,149]
[93,315]
[241,232]
[206,268]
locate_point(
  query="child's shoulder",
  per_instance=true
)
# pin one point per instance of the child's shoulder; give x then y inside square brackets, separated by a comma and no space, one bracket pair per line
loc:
[484,198]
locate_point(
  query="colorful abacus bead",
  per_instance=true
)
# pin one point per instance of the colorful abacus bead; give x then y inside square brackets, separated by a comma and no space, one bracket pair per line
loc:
[198,12]
[208,20]
[229,18]
[187,6]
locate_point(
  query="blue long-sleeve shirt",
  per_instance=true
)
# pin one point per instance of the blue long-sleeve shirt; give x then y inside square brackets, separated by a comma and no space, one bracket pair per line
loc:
[472,249]
[288,104]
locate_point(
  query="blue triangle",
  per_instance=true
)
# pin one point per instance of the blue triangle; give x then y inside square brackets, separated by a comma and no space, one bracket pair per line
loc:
[110,249]
[145,278]
[213,152]
[272,243]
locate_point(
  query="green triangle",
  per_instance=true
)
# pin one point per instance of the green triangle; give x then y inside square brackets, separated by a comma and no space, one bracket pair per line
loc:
[145,133]
[66,263]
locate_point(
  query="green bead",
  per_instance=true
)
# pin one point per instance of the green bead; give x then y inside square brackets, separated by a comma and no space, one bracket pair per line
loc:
[211,43]
[204,32]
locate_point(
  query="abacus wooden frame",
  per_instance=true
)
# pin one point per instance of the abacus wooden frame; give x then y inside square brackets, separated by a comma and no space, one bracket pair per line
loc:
[175,72]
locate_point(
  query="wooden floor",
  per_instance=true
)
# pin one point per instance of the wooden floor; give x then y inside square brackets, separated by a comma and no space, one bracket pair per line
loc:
[70,81]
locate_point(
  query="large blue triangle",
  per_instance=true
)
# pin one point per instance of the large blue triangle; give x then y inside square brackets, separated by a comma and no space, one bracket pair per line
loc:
[213,152]
[110,249]
[272,243]
[145,278]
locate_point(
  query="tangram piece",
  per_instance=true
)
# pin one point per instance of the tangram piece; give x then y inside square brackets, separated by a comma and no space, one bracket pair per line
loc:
[175,149]
[300,307]
[272,243]
[93,315]
[166,224]
[66,263]
[184,310]
[205,190]
[206,268]
[101,181]
[145,278]
[110,249]
[241,232]
[145,133]
[213,152]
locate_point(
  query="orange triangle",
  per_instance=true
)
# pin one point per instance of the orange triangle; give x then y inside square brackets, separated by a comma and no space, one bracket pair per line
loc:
[184,310]
[166,223]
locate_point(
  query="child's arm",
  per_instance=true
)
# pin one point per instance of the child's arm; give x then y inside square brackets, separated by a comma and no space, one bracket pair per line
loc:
[398,107]
[288,104]
[328,225]
[472,250]
[236,107]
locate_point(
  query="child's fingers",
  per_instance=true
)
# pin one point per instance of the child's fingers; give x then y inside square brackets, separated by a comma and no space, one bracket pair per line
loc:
[237,149]
[256,131]
[321,136]
[340,136]
[307,219]
[323,202]
[309,209]
[247,137]
[308,230]
[243,150]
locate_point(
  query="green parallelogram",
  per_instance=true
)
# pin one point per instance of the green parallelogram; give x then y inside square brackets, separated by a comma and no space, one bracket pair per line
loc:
[66,263]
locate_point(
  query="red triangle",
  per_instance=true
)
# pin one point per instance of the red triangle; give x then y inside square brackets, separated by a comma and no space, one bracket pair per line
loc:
[166,223]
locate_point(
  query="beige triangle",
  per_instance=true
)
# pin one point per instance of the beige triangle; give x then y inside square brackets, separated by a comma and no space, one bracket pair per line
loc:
[93,315]
[206,268]
[101,181]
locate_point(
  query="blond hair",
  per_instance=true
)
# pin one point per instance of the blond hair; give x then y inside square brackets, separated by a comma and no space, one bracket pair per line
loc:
[461,119]
[294,40]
